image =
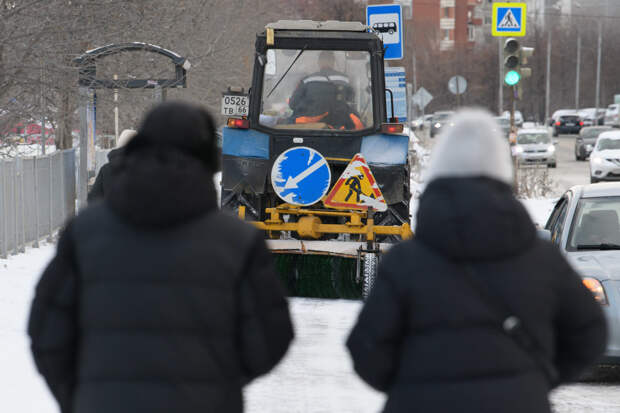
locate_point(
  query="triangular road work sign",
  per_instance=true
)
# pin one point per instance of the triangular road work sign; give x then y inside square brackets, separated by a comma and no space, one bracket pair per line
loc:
[356,188]
[509,21]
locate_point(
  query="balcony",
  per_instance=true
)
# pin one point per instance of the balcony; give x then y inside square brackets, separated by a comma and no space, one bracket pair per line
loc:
[445,45]
[446,23]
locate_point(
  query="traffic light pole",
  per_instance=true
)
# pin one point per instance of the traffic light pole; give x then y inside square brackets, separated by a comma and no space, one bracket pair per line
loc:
[500,101]
[513,104]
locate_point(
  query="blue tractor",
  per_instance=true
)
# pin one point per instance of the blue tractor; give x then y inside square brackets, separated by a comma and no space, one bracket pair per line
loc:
[310,157]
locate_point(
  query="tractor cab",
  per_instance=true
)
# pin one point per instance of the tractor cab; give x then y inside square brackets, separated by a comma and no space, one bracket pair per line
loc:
[308,155]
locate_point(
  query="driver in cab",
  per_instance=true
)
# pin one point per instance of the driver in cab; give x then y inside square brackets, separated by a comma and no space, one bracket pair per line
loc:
[322,97]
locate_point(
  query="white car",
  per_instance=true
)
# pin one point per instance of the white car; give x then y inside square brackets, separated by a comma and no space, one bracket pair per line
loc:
[518,117]
[612,115]
[592,117]
[535,146]
[605,158]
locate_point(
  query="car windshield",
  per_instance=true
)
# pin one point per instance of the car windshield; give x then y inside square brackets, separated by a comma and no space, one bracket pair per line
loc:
[533,138]
[315,89]
[595,224]
[503,121]
[590,133]
[608,144]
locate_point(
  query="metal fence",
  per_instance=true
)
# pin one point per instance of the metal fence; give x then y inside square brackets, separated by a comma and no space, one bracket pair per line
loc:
[101,158]
[37,196]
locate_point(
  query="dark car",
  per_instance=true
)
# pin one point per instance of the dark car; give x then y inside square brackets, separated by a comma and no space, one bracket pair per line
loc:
[586,140]
[567,124]
[439,121]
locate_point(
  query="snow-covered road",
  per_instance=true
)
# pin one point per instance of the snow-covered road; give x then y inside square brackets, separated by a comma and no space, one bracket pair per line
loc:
[315,376]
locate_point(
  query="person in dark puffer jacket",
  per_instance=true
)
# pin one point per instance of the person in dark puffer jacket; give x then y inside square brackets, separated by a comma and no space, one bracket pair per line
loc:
[102,182]
[429,338]
[155,300]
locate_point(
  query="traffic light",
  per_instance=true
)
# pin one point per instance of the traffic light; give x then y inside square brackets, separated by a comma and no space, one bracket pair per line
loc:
[515,56]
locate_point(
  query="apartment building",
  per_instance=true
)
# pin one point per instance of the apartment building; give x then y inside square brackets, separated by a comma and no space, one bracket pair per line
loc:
[440,24]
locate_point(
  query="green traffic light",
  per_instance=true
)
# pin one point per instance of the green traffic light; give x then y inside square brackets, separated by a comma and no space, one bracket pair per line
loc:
[512,78]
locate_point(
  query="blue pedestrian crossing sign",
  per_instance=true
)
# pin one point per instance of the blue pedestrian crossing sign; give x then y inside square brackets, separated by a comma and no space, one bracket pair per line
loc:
[509,19]
[300,176]
[387,21]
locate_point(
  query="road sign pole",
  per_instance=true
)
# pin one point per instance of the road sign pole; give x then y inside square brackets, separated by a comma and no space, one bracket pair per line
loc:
[548,76]
[598,66]
[578,70]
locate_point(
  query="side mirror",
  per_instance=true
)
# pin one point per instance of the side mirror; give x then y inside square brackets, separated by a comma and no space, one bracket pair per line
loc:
[544,234]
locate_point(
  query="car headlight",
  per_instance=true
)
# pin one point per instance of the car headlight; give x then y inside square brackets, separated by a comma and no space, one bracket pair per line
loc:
[438,125]
[596,288]
[518,149]
[551,148]
[596,160]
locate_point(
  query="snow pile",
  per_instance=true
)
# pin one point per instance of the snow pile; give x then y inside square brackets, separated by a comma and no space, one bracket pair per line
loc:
[419,156]
[539,209]
[22,151]
[21,388]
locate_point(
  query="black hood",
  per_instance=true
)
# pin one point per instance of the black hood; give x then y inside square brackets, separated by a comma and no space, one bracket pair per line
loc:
[473,219]
[115,154]
[158,186]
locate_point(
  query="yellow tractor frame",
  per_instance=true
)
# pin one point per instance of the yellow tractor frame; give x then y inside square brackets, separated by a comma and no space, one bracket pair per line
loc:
[310,226]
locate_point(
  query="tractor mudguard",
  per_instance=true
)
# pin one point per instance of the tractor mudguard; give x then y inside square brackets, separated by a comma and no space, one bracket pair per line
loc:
[245,160]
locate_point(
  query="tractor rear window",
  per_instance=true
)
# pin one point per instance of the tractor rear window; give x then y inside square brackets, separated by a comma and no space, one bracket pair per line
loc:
[317,89]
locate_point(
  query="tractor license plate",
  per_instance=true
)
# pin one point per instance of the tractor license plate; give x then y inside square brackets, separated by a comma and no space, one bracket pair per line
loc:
[235,105]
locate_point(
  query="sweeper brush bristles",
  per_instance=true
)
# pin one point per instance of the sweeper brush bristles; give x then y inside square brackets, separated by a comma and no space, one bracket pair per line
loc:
[319,276]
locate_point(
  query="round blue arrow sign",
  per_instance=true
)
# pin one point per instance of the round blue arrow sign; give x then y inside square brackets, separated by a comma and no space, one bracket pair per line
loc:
[300,176]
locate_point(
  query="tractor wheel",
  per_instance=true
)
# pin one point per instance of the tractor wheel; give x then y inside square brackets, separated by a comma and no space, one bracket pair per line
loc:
[371,262]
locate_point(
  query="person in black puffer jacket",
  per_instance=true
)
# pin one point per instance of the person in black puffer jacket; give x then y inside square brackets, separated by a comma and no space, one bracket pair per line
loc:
[155,300]
[102,182]
[430,338]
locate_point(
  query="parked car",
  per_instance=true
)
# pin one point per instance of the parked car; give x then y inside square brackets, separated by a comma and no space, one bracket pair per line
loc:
[592,117]
[584,144]
[584,224]
[534,146]
[567,124]
[605,158]
[440,120]
[612,115]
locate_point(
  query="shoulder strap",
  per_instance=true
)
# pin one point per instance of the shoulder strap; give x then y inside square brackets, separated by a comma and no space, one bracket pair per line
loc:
[509,323]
